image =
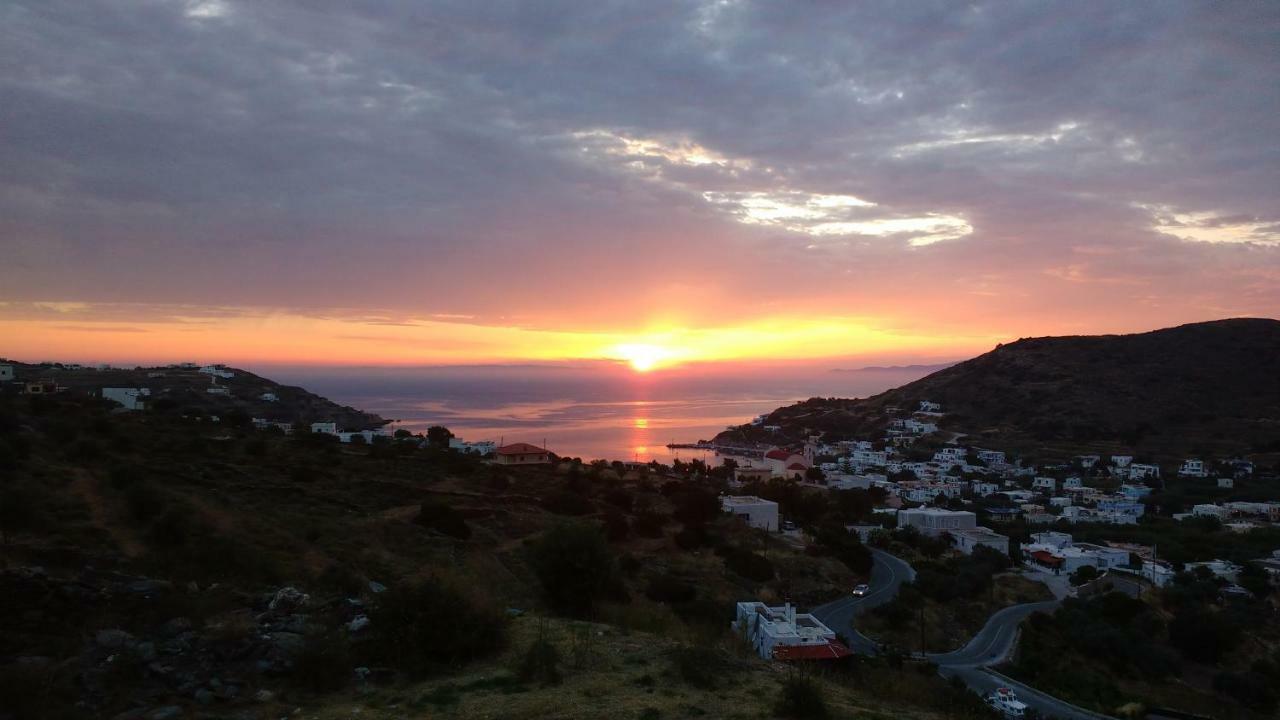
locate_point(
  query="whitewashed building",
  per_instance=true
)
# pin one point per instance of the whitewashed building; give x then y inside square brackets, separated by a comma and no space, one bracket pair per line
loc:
[967,540]
[129,398]
[780,633]
[935,521]
[757,512]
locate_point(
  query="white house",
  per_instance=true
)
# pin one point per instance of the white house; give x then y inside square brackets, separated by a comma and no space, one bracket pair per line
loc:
[218,390]
[130,398]
[1138,471]
[966,540]
[1087,461]
[935,521]
[6,373]
[217,371]
[1121,461]
[1224,569]
[1044,483]
[1226,483]
[326,428]
[269,397]
[1192,468]
[480,447]
[1072,483]
[779,633]
[983,489]
[1211,510]
[869,458]
[929,407]
[991,457]
[757,512]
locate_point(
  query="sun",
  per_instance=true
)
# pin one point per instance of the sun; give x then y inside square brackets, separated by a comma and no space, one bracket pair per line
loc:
[642,357]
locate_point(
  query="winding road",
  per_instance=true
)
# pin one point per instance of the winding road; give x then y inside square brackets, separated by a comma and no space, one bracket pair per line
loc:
[972,663]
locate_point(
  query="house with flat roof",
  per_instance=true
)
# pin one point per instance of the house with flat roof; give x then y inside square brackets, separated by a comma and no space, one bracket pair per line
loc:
[935,521]
[966,541]
[757,512]
[780,633]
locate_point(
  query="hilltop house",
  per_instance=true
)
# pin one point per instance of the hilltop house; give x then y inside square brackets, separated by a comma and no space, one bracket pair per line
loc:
[217,371]
[269,397]
[1139,471]
[129,398]
[779,633]
[6,373]
[326,428]
[757,512]
[521,454]
[1192,468]
[479,447]
[929,407]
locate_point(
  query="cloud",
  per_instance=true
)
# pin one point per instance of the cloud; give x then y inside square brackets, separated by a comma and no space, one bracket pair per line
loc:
[613,165]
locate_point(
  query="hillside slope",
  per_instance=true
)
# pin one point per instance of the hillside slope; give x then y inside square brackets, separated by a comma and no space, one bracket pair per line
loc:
[1204,387]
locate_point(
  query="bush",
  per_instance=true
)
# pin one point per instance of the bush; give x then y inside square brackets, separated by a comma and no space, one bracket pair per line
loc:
[427,627]
[696,665]
[564,502]
[323,664]
[1251,689]
[575,566]
[667,589]
[748,564]
[800,698]
[541,663]
[444,519]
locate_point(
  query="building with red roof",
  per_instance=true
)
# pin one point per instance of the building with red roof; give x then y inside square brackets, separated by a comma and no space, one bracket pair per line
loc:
[521,454]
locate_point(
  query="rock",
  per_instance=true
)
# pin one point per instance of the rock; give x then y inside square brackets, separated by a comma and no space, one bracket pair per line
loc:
[376,587]
[264,696]
[203,696]
[358,623]
[113,638]
[193,587]
[146,651]
[175,627]
[288,599]
[166,713]
[292,624]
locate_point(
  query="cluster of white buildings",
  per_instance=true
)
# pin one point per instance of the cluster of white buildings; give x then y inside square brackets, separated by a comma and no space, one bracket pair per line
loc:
[960,525]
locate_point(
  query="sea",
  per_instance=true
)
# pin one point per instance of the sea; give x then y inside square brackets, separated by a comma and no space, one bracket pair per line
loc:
[587,412]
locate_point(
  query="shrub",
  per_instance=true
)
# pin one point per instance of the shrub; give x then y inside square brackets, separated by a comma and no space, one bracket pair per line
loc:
[426,627]
[444,519]
[748,564]
[564,502]
[323,664]
[575,566]
[649,524]
[696,665]
[800,698]
[541,663]
[667,589]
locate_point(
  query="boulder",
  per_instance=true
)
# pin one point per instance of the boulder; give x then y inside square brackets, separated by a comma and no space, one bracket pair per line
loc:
[288,599]
[113,638]
[358,623]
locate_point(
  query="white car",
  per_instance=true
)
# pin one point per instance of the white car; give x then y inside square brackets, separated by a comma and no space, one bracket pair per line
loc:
[1007,703]
[861,590]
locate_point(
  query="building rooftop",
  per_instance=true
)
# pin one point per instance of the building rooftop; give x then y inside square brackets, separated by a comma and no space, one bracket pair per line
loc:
[745,500]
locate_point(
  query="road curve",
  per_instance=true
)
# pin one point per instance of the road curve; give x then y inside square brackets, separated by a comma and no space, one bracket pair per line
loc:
[887,575]
[992,645]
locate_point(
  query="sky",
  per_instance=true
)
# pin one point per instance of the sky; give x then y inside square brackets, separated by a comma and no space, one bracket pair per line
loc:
[660,183]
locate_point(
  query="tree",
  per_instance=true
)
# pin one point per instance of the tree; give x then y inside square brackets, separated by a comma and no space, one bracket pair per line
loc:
[1084,574]
[439,436]
[402,434]
[575,566]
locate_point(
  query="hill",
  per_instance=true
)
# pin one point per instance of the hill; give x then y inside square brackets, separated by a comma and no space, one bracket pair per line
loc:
[156,565]
[184,390]
[1205,388]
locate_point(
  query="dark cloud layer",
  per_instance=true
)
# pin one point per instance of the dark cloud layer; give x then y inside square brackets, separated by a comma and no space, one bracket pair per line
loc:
[591,163]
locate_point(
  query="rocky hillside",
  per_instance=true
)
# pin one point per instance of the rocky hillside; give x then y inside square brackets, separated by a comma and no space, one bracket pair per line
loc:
[185,391]
[1204,388]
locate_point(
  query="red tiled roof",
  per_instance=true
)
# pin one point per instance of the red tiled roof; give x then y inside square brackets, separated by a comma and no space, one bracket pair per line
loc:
[1046,557]
[777,455]
[520,449]
[796,466]
[831,651]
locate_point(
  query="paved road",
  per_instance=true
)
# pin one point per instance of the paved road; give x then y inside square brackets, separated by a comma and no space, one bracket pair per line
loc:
[887,575]
[993,644]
